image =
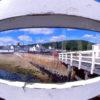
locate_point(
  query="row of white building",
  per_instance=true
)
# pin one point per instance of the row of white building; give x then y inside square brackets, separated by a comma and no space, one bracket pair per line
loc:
[36,48]
[24,48]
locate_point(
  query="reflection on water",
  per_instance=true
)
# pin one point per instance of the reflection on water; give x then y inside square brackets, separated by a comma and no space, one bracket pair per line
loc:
[16,77]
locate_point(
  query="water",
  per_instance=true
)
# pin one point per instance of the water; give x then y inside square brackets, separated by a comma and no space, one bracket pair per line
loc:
[16,77]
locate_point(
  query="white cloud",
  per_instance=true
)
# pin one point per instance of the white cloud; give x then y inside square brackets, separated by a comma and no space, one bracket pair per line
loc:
[41,41]
[7,41]
[71,29]
[39,30]
[7,32]
[89,36]
[58,38]
[25,38]
[93,38]
[97,38]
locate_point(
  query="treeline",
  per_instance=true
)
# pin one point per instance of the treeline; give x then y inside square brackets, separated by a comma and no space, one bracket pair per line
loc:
[70,45]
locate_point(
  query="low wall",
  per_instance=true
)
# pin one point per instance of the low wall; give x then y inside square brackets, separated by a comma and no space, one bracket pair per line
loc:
[80,90]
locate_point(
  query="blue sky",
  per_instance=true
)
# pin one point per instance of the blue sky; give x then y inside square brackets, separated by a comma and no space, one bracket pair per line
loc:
[42,35]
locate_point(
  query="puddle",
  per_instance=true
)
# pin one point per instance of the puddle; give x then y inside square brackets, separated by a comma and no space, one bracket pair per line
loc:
[16,77]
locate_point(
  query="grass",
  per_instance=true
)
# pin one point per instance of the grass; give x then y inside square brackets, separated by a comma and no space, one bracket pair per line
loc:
[15,64]
[21,65]
[49,63]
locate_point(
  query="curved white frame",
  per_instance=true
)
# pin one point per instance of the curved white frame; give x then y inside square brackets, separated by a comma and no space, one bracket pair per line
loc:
[52,20]
[51,86]
[27,15]
[80,90]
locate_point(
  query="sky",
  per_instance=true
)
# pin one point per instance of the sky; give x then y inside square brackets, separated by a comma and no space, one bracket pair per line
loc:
[43,35]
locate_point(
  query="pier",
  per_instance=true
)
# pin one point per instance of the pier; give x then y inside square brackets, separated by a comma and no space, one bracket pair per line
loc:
[87,60]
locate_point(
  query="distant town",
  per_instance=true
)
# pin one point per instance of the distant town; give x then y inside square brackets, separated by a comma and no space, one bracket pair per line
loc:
[48,48]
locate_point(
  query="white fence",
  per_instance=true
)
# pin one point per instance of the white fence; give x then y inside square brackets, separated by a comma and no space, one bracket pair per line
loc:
[88,57]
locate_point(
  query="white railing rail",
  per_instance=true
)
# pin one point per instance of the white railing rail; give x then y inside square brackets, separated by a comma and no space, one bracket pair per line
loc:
[90,56]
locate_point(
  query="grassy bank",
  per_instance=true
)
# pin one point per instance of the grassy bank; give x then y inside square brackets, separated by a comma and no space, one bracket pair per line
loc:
[15,64]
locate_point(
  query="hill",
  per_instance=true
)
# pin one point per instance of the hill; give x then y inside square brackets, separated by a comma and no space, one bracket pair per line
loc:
[70,45]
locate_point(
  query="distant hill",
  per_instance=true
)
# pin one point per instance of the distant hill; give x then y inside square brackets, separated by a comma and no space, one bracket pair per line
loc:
[70,45]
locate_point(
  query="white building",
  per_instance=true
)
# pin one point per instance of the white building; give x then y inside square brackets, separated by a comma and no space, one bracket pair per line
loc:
[96,48]
[32,49]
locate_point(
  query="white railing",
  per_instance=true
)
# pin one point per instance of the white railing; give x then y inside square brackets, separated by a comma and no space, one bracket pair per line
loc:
[89,57]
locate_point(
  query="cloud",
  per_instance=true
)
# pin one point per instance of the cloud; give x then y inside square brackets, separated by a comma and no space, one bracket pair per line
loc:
[89,36]
[41,41]
[25,38]
[39,30]
[58,38]
[70,29]
[7,32]
[97,38]
[7,41]
[93,38]
[52,39]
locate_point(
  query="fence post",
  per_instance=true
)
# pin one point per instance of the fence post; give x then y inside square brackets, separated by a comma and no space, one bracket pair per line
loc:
[80,59]
[71,62]
[69,70]
[60,56]
[66,58]
[93,62]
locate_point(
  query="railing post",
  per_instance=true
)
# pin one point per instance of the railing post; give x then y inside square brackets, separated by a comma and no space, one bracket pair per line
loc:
[80,59]
[71,62]
[93,62]
[86,75]
[66,57]
[69,72]
[60,56]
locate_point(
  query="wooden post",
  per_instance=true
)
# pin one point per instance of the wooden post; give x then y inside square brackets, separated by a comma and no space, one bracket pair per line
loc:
[66,58]
[71,61]
[93,62]
[80,59]
[69,72]
[60,56]
[86,75]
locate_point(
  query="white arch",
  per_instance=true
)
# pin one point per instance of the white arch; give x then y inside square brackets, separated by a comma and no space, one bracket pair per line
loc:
[16,14]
